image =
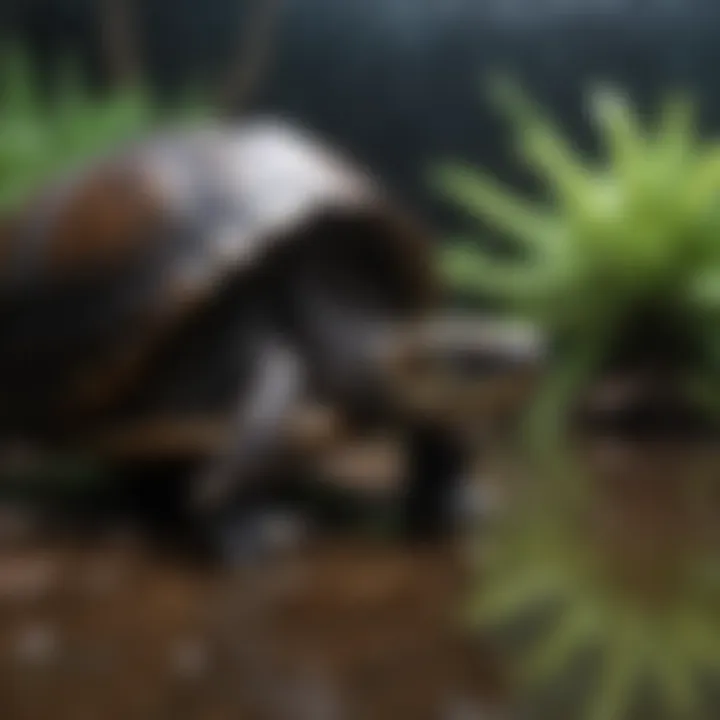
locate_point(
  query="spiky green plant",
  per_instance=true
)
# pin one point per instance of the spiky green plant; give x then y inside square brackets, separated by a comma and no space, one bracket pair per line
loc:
[39,139]
[552,594]
[579,579]
[638,228]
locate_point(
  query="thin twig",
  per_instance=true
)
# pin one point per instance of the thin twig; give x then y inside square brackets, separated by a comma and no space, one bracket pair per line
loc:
[118,30]
[254,57]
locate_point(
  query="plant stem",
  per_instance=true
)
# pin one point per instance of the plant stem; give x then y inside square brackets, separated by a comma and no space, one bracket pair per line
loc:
[549,421]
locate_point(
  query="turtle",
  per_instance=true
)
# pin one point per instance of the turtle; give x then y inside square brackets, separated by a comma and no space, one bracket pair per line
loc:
[232,294]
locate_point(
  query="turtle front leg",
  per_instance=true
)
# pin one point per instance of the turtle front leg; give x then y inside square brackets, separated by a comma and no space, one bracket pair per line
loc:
[437,464]
[248,533]
[229,489]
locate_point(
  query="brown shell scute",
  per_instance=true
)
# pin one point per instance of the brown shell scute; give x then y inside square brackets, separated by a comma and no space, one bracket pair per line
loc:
[104,222]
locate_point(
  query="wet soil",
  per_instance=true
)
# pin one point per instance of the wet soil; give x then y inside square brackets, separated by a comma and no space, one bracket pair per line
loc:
[347,628]
[111,622]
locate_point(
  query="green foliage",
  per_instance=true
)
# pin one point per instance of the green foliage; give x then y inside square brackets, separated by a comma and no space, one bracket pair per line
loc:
[638,229]
[39,139]
[544,579]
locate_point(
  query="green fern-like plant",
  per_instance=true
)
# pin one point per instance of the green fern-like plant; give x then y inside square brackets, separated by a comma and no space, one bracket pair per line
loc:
[40,139]
[639,228]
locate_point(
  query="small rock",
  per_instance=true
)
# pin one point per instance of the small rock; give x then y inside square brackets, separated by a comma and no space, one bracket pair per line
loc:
[283,531]
[315,696]
[266,535]
[191,660]
[37,645]
[477,501]
[27,579]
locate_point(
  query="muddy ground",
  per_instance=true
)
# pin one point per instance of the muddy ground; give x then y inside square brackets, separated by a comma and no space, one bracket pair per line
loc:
[111,623]
[347,628]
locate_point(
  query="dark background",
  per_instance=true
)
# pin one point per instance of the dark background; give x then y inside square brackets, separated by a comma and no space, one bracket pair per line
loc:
[397,82]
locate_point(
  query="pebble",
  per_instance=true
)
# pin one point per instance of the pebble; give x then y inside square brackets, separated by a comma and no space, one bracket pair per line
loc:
[191,660]
[315,696]
[477,501]
[284,531]
[27,579]
[37,645]
[270,534]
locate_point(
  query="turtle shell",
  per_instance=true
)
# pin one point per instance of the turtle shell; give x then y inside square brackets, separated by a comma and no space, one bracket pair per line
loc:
[130,286]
